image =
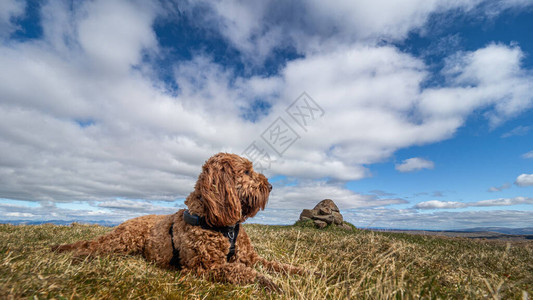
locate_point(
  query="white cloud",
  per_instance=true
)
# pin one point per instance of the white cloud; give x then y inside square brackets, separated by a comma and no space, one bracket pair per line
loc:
[499,188]
[367,94]
[113,211]
[517,131]
[436,204]
[135,206]
[487,66]
[494,8]
[381,19]
[131,147]
[488,77]
[83,118]
[439,220]
[19,215]
[307,194]
[257,28]
[528,154]
[504,201]
[10,9]
[318,168]
[414,164]
[524,180]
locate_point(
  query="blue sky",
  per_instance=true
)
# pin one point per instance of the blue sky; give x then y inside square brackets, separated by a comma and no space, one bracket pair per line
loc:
[414,114]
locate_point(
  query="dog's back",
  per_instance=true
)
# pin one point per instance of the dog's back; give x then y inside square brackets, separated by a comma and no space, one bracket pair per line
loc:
[127,238]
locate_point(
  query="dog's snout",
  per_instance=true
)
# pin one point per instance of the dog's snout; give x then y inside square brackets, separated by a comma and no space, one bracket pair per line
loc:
[270,187]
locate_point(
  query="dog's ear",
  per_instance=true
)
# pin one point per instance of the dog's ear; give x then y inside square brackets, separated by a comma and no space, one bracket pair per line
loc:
[216,185]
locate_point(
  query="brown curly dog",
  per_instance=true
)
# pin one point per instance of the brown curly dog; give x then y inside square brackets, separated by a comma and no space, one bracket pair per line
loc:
[206,239]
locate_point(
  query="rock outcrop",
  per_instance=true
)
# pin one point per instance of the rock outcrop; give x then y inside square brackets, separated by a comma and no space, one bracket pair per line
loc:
[325,213]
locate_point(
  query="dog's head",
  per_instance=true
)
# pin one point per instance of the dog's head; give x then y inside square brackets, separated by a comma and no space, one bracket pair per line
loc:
[229,190]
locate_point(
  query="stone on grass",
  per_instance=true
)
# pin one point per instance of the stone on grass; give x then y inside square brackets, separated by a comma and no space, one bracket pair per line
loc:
[325,213]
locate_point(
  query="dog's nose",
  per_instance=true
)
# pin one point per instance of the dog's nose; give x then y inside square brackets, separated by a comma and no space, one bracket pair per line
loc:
[270,187]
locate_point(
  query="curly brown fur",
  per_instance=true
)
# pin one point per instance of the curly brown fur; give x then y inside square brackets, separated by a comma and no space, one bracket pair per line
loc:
[228,191]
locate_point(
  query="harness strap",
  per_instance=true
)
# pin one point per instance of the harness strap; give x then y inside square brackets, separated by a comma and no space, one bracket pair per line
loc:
[230,232]
[232,236]
[175,260]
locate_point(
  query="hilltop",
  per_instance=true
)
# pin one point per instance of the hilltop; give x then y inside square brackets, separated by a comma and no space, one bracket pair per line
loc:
[357,264]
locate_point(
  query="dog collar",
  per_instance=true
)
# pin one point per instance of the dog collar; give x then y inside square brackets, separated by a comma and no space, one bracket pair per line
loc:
[230,232]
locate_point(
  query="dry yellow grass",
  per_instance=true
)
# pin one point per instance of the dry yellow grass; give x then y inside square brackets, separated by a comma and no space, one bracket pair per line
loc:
[356,265]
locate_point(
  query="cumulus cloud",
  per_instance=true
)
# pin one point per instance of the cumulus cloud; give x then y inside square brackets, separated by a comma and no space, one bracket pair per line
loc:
[9,9]
[367,94]
[414,164]
[316,26]
[84,118]
[259,28]
[306,194]
[114,42]
[488,77]
[524,180]
[73,130]
[436,204]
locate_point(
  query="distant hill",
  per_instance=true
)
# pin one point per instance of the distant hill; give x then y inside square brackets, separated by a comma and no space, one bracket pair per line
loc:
[59,222]
[489,233]
[504,230]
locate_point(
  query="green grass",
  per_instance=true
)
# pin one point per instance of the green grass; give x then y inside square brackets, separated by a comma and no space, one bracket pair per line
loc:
[356,265]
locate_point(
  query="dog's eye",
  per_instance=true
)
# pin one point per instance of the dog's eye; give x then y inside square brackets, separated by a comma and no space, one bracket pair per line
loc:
[247,172]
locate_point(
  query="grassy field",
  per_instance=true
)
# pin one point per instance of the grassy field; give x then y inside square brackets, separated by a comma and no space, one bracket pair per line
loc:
[356,265]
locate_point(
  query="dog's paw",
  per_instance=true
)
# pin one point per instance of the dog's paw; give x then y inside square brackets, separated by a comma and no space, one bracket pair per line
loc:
[268,284]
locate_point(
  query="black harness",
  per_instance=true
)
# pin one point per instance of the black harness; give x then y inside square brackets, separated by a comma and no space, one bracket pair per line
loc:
[230,232]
